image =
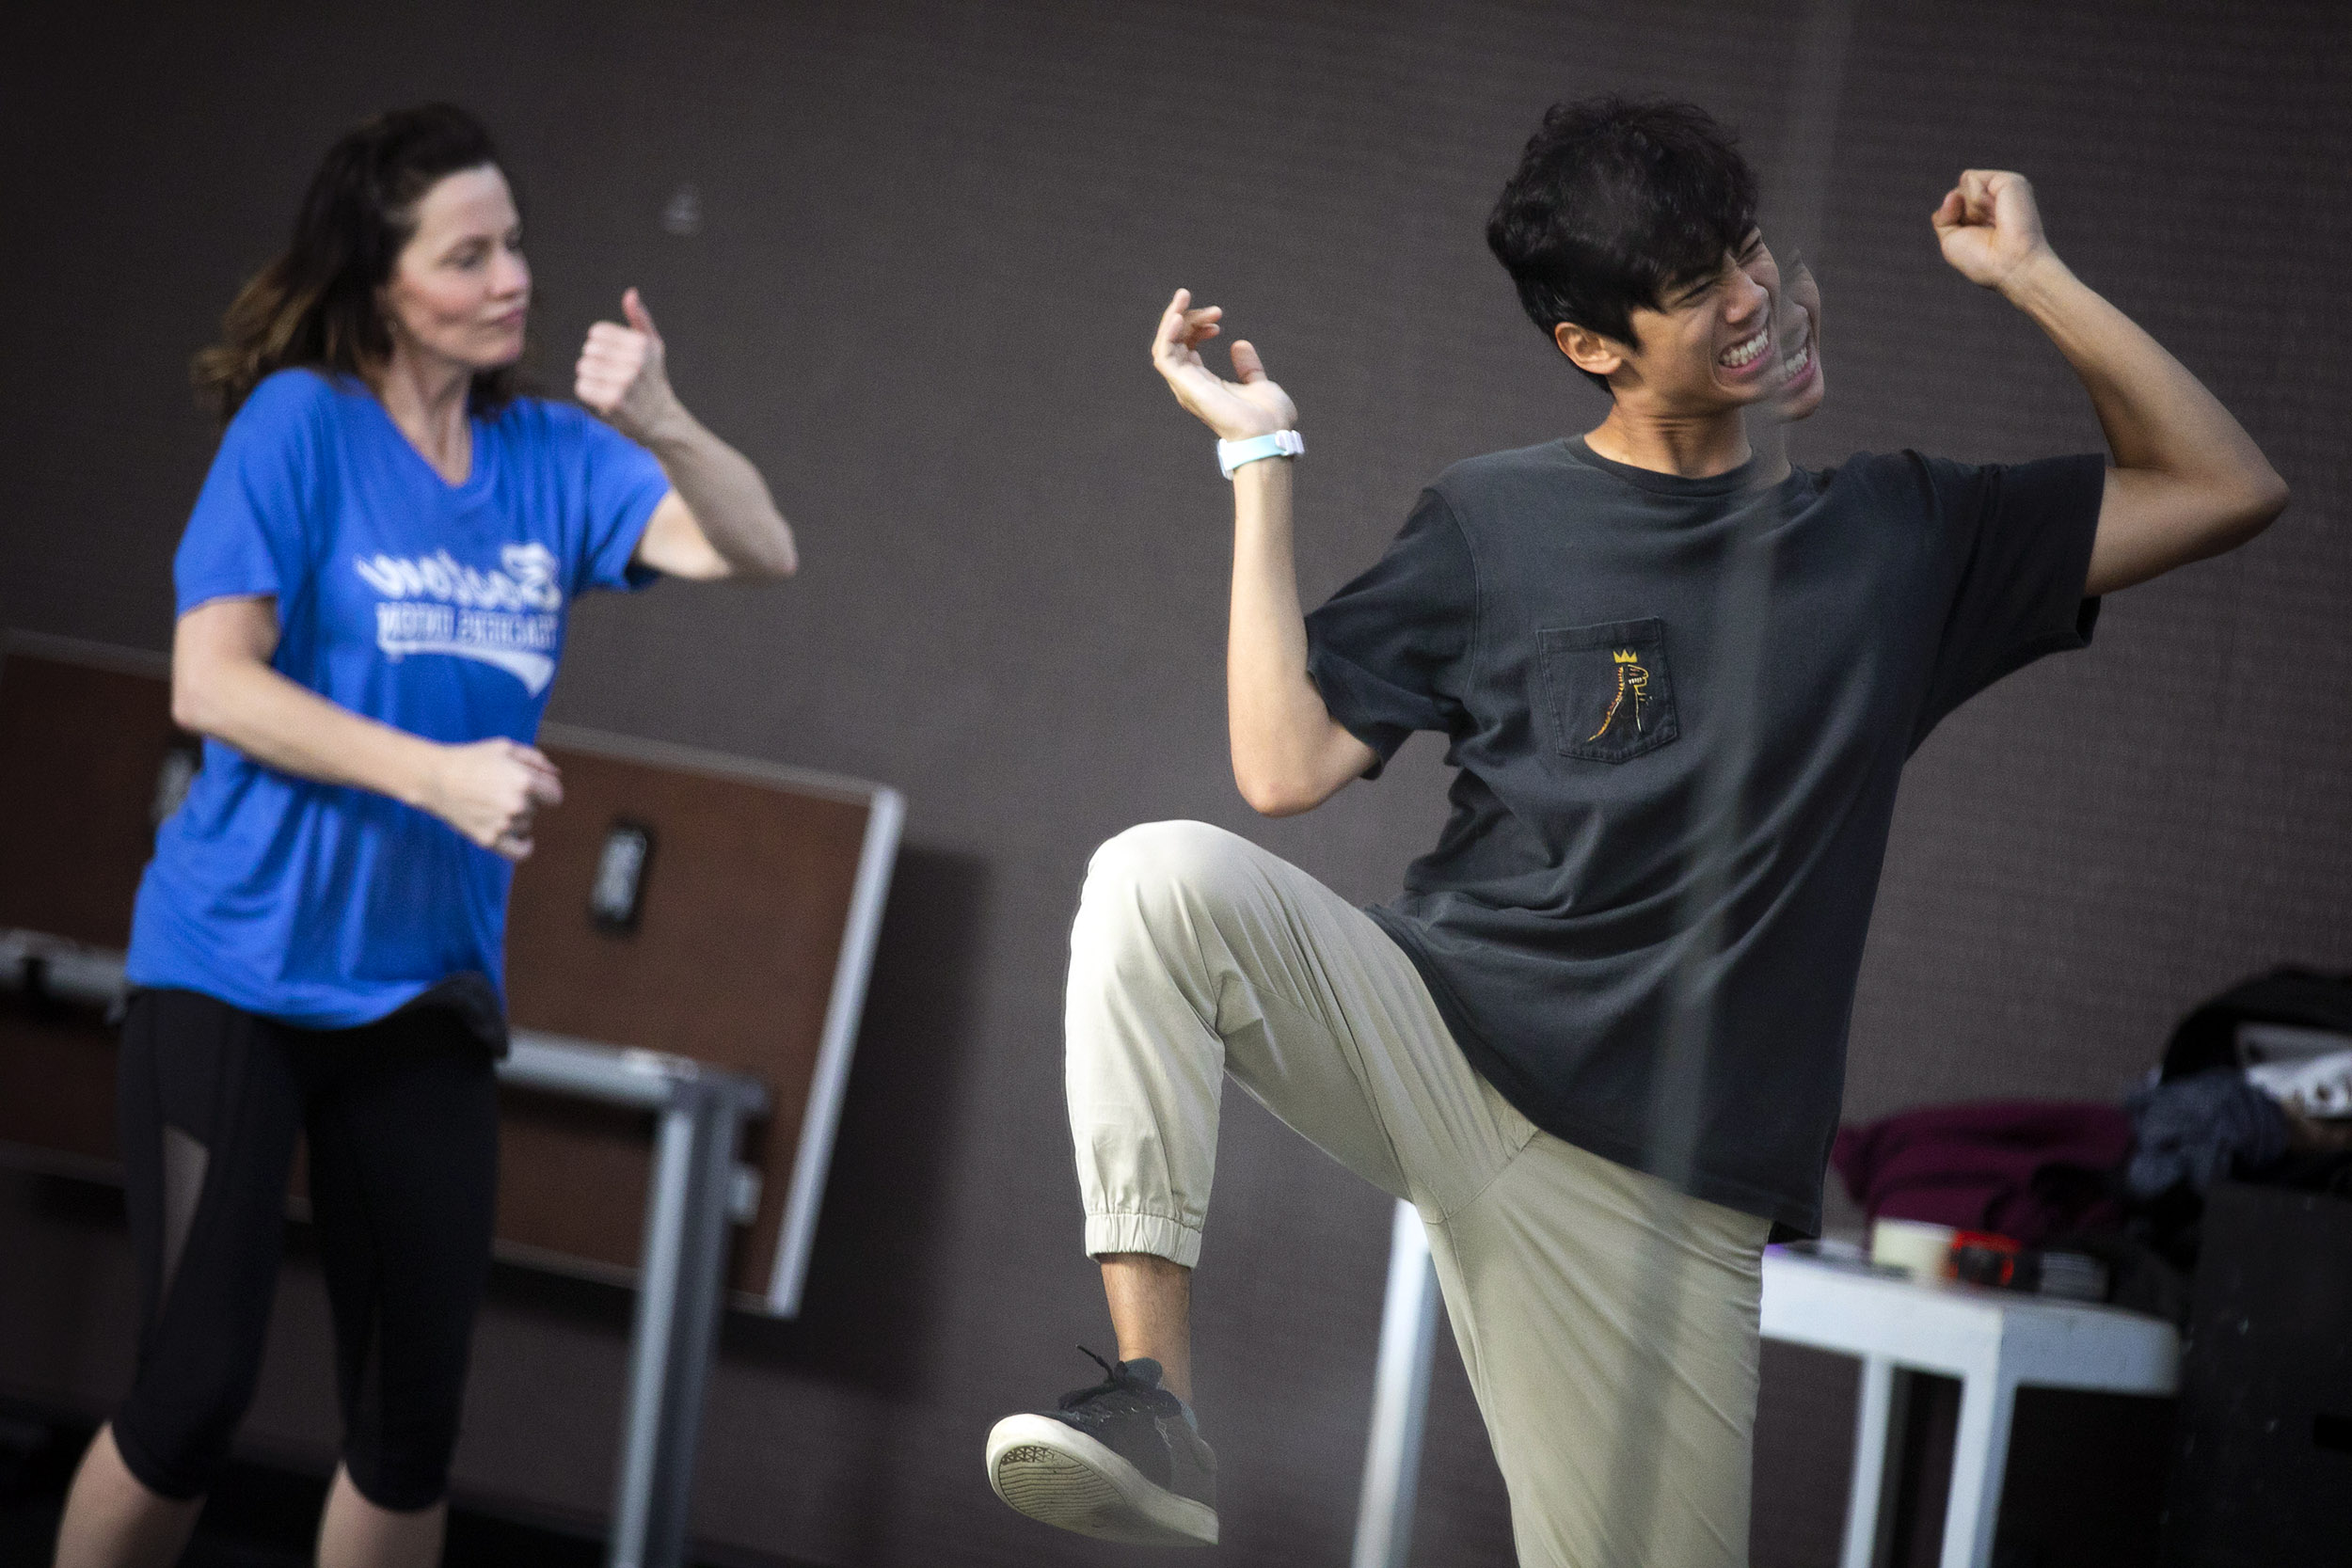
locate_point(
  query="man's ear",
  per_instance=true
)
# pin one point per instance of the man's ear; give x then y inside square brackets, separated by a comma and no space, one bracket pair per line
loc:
[1587,350]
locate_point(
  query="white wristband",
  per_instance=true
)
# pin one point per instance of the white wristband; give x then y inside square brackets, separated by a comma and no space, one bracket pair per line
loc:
[1279,443]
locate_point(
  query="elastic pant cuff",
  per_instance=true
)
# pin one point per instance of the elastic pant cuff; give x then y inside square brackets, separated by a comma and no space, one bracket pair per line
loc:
[184,1484]
[391,1491]
[1161,1237]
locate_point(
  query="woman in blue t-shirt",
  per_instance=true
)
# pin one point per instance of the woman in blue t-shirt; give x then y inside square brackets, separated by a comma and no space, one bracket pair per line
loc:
[372,596]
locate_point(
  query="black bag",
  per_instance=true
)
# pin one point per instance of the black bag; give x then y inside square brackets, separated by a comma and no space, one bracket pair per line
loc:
[2208,1037]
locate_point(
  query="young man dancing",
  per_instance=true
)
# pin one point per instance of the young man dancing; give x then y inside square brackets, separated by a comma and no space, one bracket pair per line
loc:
[1599,1040]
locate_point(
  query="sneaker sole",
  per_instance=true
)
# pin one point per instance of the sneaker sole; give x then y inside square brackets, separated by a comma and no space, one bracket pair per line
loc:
[1058,1476]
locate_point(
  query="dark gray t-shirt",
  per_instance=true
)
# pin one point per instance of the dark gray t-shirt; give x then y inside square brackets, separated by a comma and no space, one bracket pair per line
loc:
[1680,709]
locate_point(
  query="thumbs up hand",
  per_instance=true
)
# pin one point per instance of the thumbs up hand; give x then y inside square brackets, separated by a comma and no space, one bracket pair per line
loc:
[622,373]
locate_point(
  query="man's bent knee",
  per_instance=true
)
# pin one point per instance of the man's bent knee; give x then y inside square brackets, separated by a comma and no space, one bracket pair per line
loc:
[1158,861]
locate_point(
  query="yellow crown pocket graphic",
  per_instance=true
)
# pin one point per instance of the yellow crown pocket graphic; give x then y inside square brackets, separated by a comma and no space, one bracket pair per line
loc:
[1607,690]
[1632,681]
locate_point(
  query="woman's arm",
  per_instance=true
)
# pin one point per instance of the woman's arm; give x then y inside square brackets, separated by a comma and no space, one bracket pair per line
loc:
[222,686]
[717,520]
[1290,754]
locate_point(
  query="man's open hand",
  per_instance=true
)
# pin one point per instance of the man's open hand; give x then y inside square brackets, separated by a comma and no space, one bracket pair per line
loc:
[1235,410]
[1989,227]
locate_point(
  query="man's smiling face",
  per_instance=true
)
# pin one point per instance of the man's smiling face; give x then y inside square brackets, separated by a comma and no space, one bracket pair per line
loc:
[1707,347]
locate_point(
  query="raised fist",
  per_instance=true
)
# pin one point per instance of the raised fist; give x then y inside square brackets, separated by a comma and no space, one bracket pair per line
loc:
[1988,226]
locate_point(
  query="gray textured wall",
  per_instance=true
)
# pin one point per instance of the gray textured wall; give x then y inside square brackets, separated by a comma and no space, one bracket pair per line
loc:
[935,240]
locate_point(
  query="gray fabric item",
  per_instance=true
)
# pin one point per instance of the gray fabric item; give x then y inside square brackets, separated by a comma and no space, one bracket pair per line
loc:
[1680,709]
[2199,1129]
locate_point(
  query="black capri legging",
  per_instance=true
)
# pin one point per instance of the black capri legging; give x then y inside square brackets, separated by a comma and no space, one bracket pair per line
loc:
[402,1118]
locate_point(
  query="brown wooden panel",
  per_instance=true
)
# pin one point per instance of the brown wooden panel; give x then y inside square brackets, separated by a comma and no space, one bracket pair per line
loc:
[82,741]
[58,1082]
[745,905]
[572,1179]
[81,744]
[746,899]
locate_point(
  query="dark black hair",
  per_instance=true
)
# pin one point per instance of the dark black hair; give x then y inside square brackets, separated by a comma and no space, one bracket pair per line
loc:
[1615,203]
[315,304]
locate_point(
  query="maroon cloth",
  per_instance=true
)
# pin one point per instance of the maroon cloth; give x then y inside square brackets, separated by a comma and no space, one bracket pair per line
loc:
[2028,1168]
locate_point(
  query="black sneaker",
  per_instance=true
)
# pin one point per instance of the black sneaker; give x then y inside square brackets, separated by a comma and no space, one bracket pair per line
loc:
[1122,1460]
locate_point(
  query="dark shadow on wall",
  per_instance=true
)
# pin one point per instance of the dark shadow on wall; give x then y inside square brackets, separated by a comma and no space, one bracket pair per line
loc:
[95,1206]
[867,1313]
[2083,1488]
[1804,1453]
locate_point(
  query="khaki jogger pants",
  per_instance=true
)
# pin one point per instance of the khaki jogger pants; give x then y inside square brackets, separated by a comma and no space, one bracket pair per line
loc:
[1607,1322]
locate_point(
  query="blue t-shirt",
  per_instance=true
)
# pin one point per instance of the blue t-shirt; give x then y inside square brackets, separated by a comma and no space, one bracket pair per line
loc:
[435,608]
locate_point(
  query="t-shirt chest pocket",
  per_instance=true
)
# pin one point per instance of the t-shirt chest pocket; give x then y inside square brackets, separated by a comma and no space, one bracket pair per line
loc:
[1605,692]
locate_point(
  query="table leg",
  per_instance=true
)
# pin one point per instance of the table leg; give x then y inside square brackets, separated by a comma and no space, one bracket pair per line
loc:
[1400,1399]
[1880,1406]
[1979,1455]
[679,1286]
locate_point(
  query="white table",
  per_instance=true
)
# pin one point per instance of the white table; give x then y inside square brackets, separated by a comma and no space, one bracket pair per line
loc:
[1995,1341]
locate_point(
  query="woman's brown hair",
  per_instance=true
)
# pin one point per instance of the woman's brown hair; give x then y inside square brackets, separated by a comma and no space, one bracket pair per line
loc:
[316,304]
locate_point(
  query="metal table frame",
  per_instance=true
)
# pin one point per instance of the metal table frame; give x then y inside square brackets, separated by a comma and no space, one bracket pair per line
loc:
[696,1194]
[1400,1399]
[1994,1342]
[697,1191]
